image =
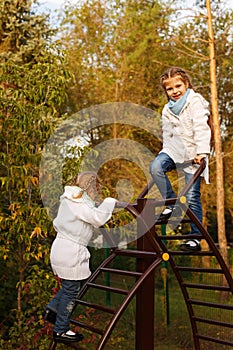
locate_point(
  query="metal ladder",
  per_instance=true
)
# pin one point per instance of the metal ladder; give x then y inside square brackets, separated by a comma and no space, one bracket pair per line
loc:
[221,292]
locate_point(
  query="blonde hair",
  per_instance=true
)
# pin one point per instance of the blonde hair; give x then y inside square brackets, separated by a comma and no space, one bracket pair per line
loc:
[86,181]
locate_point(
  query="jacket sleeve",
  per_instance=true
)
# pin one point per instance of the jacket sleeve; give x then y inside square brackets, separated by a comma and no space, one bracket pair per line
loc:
[201,129]
[166,125]
[95,216]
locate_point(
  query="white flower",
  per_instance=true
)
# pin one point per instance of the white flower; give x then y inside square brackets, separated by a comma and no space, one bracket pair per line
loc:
[98,242]
[122,244]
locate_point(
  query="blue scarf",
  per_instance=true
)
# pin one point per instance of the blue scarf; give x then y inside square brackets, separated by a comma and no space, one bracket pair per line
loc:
[176,106]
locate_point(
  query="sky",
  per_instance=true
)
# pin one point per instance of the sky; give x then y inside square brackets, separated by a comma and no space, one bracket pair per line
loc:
[53,5]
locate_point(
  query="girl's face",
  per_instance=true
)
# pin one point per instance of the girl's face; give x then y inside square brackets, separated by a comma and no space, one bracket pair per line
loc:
[175,87]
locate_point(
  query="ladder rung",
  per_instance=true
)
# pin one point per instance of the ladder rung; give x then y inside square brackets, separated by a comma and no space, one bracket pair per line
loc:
[206,286]
[136,253]
[87,326]
[172,221]
[121,272]
[215,340]
[214,322]
[209,304]
[198,269]
[200,253]
[96,306]
[179,237]
[107,288]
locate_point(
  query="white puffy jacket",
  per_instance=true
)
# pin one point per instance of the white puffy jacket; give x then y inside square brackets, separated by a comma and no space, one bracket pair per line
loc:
[188,134]
[74,224]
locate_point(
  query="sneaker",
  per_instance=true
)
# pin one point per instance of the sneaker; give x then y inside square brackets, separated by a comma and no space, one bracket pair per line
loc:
[168,212]
[191,245]
[67,337]
[50,315]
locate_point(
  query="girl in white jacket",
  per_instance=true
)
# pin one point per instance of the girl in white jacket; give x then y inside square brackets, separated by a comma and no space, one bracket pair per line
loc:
[186,136]
[77,215]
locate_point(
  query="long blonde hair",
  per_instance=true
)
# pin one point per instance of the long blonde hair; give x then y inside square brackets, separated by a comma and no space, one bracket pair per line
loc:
[87,181]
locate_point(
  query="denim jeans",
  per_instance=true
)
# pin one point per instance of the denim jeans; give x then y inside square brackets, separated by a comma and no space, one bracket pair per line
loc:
[63,304]
[158,169]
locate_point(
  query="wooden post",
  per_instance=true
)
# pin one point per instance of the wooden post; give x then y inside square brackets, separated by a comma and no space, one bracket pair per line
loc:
[145,295]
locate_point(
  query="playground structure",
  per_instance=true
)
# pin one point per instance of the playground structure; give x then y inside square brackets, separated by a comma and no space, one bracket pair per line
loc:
[152,251]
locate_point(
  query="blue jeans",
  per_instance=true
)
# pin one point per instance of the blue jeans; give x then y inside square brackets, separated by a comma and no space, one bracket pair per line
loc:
[158,169]
[63,304]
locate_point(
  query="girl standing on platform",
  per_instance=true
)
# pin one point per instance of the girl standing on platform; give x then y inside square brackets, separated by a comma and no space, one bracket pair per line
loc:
[186,136]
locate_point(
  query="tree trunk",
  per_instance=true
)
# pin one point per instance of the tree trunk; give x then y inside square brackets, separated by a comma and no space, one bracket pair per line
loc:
[204,244]
[217,139]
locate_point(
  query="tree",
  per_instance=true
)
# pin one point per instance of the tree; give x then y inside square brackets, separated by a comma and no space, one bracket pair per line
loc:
[217,137]
[34,78]
[116,51]
[113,50]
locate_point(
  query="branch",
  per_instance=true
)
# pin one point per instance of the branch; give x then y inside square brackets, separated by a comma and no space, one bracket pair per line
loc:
[193,52]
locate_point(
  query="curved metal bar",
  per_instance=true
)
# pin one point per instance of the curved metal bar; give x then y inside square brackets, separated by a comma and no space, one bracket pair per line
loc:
[196,175]
[150,236]
[146,189]
[179,166]
[94,275]
[212,245]
[123,306]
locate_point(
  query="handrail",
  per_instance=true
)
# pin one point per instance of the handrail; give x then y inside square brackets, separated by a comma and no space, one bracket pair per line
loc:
[179,166]
[194,178]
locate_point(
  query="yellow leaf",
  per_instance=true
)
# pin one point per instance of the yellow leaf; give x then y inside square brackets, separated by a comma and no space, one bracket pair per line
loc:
[36,232]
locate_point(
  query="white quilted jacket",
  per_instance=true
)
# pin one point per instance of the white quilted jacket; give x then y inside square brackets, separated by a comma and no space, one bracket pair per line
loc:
[188,134]
[74,224]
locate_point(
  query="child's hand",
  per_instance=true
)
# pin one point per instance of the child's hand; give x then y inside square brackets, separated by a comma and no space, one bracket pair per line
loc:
[198,157]
[120,204]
